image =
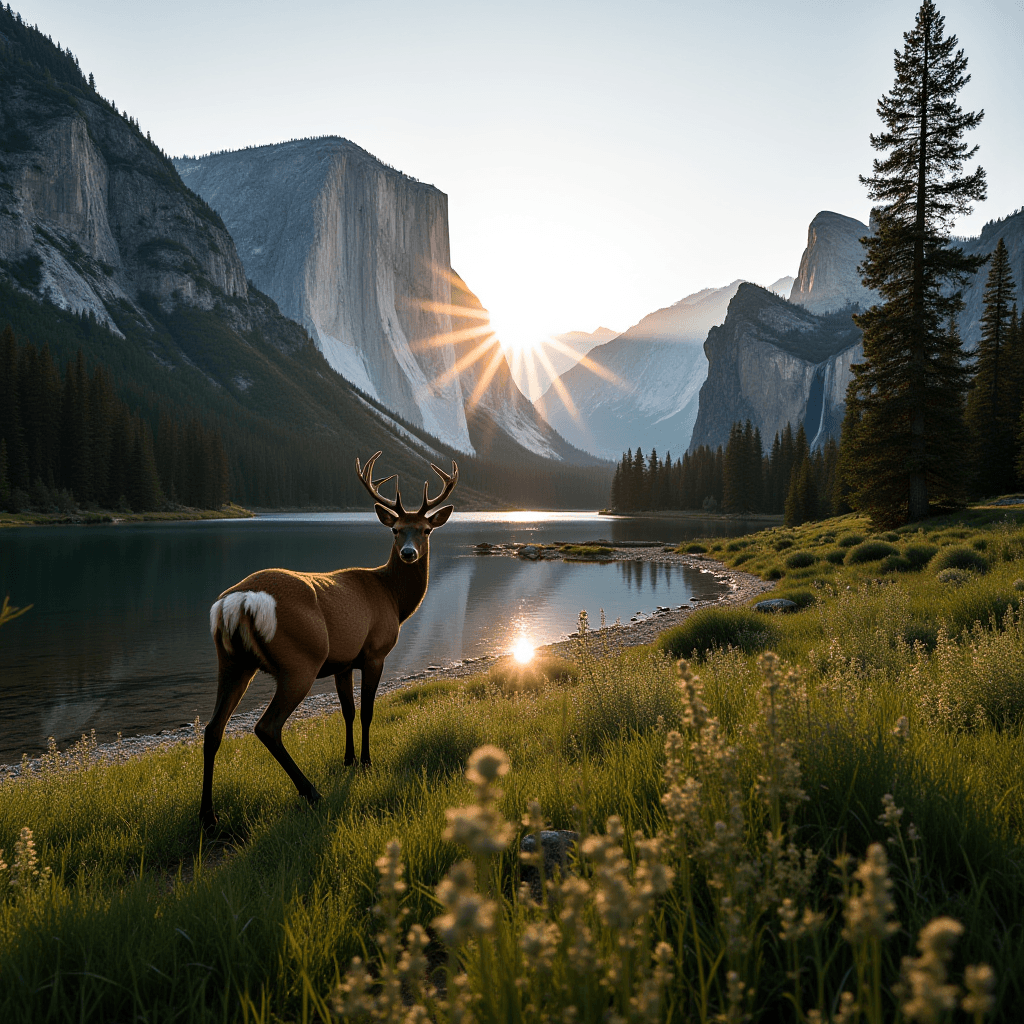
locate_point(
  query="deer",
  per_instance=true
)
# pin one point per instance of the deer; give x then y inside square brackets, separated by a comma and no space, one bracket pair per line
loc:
[303,626]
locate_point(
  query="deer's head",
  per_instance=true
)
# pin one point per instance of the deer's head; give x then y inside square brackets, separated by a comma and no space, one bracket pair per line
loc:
[411,529]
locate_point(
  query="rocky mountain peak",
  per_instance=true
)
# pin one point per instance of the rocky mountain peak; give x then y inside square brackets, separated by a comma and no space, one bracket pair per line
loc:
[828,278]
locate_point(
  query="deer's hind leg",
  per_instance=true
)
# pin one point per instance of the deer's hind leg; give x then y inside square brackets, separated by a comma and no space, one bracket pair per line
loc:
[292,687]
[233,680]
[343,680]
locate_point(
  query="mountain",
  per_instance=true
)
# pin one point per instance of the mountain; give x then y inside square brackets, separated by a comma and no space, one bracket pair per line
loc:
[1011,230]
[774,362]
[103,248]
[563,352]
[644,390]
[357,253]
[828,279]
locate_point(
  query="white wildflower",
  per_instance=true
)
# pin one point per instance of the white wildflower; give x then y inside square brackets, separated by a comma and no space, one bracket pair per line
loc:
[927,995]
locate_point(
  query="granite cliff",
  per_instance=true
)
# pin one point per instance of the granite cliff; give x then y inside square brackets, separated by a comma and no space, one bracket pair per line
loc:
[774,362]
[358,253]
[828,279]
[645,391]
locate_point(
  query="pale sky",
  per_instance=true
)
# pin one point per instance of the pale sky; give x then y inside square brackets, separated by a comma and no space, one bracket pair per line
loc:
[601,160]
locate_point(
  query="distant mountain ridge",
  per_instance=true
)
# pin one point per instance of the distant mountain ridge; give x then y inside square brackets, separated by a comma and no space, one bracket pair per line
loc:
[656,369]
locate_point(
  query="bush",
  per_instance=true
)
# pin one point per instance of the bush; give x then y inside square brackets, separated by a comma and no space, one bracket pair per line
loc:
[737,545]
[694,549]
[848,540]
[835,556]
[955,577]
[868,551]
[800,559]
[773,573]
[714,628]
[783,542]
[919,555]
[958,556]
[890,536]
[746,556]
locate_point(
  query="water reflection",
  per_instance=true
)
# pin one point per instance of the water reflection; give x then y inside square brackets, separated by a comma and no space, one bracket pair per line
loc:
[118,639]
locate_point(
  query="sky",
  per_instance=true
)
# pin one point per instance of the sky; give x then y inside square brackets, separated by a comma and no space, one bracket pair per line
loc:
[601,160]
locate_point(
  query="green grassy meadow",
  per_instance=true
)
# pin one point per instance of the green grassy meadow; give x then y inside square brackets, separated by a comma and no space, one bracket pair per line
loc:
[764,839]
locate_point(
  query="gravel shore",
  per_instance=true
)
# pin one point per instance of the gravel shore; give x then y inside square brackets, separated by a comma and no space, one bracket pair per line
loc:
[741,587]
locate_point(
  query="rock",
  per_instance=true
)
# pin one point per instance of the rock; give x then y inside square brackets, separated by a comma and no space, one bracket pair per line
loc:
[828,278]
[556,845]
[776,605]
[529,551]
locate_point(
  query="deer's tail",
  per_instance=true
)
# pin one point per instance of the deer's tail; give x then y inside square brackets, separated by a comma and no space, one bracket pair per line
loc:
[246,615]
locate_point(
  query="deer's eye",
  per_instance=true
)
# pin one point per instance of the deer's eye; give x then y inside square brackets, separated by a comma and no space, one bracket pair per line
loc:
[427,530]
[394,530]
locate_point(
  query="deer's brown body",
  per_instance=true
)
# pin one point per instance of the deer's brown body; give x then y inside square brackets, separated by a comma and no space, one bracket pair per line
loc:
[300,627]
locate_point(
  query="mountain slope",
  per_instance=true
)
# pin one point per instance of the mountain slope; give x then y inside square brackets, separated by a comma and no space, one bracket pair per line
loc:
[648,392]
[828,279]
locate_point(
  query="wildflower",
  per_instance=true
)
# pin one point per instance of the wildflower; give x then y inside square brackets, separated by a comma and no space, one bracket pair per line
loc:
[486,764]
[468,913]
[980,982]
[480,829]
[391,869]
[849,1011]
[25,871]
[352,996]
[539,943]
[734,992]
[868,910]
[646,1004]
[901,730]
[924,988]
[574,896]
[695,711]
[891,814]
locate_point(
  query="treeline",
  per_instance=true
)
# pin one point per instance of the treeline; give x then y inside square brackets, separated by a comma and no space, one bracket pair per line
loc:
[790,480]
[67,440]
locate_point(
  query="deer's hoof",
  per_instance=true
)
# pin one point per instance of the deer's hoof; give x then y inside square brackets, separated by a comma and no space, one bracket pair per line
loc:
[312,797]
[365,762]
[349,761]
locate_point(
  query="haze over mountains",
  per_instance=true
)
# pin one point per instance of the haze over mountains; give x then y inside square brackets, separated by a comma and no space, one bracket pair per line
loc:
[647,395]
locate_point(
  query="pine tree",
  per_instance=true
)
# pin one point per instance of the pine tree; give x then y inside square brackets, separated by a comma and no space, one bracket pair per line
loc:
[990,416]
[909,442]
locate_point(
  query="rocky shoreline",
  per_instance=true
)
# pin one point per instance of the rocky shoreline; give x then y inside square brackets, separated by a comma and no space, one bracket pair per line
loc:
[612,639]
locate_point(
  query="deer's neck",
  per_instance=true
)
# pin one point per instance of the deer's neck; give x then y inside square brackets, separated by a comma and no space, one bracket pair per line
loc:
[407,581]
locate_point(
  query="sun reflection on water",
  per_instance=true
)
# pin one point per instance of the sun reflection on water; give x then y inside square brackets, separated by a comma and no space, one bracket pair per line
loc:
[523,651]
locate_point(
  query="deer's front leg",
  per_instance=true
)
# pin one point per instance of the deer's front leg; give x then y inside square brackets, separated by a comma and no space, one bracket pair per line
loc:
[372,671]
[343,680]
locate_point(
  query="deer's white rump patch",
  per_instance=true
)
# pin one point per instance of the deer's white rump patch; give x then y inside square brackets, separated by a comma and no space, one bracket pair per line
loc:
[226,614]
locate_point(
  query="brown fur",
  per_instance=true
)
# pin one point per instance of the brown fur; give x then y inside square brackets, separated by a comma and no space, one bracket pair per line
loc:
[327,624]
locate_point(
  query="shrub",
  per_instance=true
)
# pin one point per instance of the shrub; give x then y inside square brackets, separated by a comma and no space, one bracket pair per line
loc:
[746,556]
[694,549]
[848,540]
[737,545]
[979,544]
[869,551]
[713,628]
[835,556]
[773,573]
[800,559]
[783,542]
[955,577]
[919,555]
[958,556]
[890,536]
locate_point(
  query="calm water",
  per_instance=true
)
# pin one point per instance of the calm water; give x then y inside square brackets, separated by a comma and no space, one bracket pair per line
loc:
[118,637]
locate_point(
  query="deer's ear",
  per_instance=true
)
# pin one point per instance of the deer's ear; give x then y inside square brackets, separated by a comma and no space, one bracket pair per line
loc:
[385,515]
[440,517]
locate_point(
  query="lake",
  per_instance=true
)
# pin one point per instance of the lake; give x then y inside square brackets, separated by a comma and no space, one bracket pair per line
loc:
[118,638]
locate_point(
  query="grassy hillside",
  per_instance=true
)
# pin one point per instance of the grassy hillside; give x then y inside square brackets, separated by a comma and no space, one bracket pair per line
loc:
[814,813]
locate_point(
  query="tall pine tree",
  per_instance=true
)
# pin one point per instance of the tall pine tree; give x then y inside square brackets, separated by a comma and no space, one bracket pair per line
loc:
[906,444]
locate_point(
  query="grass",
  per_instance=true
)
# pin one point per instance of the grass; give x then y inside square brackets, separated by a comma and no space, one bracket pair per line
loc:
[891,732]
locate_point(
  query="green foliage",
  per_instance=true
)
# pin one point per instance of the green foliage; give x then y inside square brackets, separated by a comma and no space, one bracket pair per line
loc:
[849,540]
[708,629]
[694,549]
[919,555]
[869,551]
[836,556]
[904,440]
[800,559]
[958,557]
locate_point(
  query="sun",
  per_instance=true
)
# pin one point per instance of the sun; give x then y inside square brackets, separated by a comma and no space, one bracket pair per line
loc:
[482,345]
[523,651]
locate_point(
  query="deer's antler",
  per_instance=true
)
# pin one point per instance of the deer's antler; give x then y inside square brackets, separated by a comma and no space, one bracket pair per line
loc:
[366,477]
[449,486]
